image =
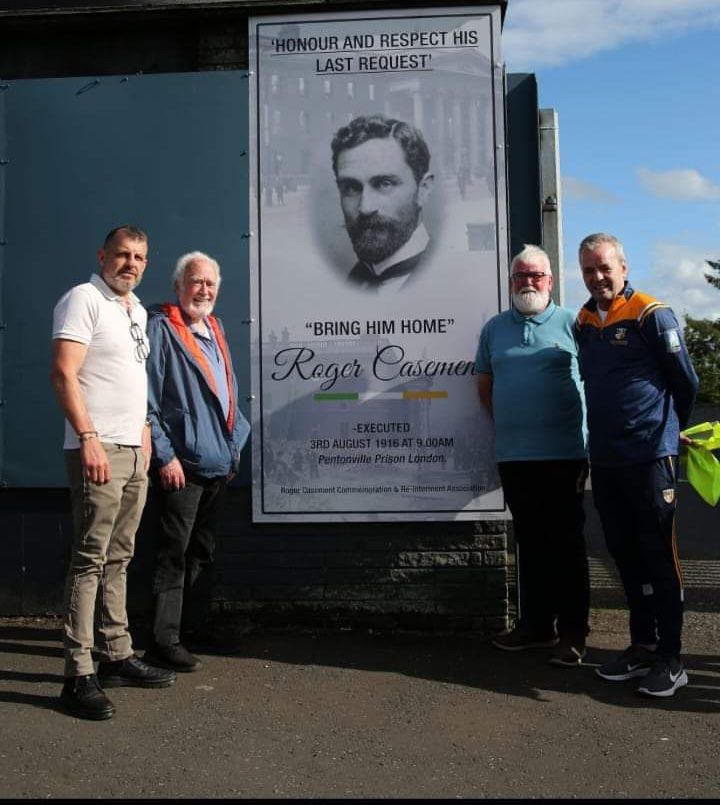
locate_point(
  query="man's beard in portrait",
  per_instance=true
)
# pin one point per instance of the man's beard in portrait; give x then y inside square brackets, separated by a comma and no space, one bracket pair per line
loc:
[375,237]
[530,301]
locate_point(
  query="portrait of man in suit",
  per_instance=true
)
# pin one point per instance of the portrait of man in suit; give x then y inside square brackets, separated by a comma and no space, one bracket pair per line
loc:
[382,172]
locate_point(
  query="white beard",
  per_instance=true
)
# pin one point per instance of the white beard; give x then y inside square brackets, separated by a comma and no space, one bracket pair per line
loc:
[530,301]
[200,309]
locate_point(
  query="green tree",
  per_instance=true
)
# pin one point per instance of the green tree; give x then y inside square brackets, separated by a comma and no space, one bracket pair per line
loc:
[714,279]
[702,337]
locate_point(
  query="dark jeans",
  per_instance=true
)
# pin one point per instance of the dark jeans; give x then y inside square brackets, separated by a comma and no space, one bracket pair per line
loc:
[636,505]
[184,554]
[546,502]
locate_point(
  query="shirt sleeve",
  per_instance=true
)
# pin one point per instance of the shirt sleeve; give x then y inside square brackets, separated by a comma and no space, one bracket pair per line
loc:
[163,451]
[668,345]
[241,427]
[75,317]
[483,363]
[241,431]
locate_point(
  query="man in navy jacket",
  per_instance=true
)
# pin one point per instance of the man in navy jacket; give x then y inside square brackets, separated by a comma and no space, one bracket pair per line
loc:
[198,434]
[640,387]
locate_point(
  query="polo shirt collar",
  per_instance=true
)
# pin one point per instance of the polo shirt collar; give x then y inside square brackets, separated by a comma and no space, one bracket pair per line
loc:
[195,329]
[102,286]
[538,318]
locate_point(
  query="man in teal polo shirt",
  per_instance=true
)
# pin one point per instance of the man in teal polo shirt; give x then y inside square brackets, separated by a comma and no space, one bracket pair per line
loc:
[530,384]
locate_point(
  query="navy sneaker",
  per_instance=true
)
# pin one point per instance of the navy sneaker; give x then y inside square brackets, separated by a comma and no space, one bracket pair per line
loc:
[569,652]
[634,661]
[665,677]
[522,637]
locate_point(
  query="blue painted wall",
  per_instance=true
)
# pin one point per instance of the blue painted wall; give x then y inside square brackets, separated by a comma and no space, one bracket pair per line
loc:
[164,152]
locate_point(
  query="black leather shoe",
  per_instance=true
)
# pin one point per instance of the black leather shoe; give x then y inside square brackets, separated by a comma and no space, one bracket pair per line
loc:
[83,697]
[133,672]
[176,657]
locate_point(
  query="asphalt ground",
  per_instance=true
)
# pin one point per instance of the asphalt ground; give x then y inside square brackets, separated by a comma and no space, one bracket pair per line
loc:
[358,714]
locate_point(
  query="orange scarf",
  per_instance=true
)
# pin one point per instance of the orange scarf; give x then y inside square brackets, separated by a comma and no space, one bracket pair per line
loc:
[184,333]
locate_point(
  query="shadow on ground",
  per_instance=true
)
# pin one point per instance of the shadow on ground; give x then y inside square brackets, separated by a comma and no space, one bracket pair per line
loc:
[463,660]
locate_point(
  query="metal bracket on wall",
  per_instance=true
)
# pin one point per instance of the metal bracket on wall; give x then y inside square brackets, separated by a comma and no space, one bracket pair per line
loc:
[88,86]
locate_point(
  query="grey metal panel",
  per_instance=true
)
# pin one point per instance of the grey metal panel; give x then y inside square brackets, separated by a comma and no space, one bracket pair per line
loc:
[55,6]
[523,161]
[163,152]
[3,170]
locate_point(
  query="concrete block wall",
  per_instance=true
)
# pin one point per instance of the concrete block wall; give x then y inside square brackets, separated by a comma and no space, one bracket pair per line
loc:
[409,575]
[440,576]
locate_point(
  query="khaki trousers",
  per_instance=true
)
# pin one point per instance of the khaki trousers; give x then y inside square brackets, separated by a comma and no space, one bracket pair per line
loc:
[106,518]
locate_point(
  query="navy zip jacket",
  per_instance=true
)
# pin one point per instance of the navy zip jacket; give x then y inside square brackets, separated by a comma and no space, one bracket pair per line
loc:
[184,412]
[640,385]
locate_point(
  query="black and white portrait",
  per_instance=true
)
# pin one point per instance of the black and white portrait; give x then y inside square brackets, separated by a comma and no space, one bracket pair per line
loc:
[383,177]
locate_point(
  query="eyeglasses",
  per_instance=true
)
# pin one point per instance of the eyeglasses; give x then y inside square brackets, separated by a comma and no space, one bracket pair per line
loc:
[142,350]
[533,276]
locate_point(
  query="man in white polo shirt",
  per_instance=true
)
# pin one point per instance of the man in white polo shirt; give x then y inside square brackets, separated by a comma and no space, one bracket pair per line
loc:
[98,372]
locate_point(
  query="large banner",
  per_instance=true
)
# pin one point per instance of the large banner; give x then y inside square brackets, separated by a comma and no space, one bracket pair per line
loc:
[379,250]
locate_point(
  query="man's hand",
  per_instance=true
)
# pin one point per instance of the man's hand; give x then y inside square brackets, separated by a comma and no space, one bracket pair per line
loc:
[94,460]
[147,446]
[172,476]
[686,441]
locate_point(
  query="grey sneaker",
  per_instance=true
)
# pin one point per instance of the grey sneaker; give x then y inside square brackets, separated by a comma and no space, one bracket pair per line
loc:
[634,661]
[568,653]
[176,657]
[522,637]
[665,677]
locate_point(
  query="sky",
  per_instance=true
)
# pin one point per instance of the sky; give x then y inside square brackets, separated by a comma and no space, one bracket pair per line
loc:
[636,87]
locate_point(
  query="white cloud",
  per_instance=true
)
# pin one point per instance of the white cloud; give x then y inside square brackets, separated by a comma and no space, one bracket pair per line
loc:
[541,33]
[581,190]
[677,277]
[575,291]
[679,185]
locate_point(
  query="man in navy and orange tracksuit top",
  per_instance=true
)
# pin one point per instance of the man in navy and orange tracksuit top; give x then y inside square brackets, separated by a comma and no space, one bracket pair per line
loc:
[640,387]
